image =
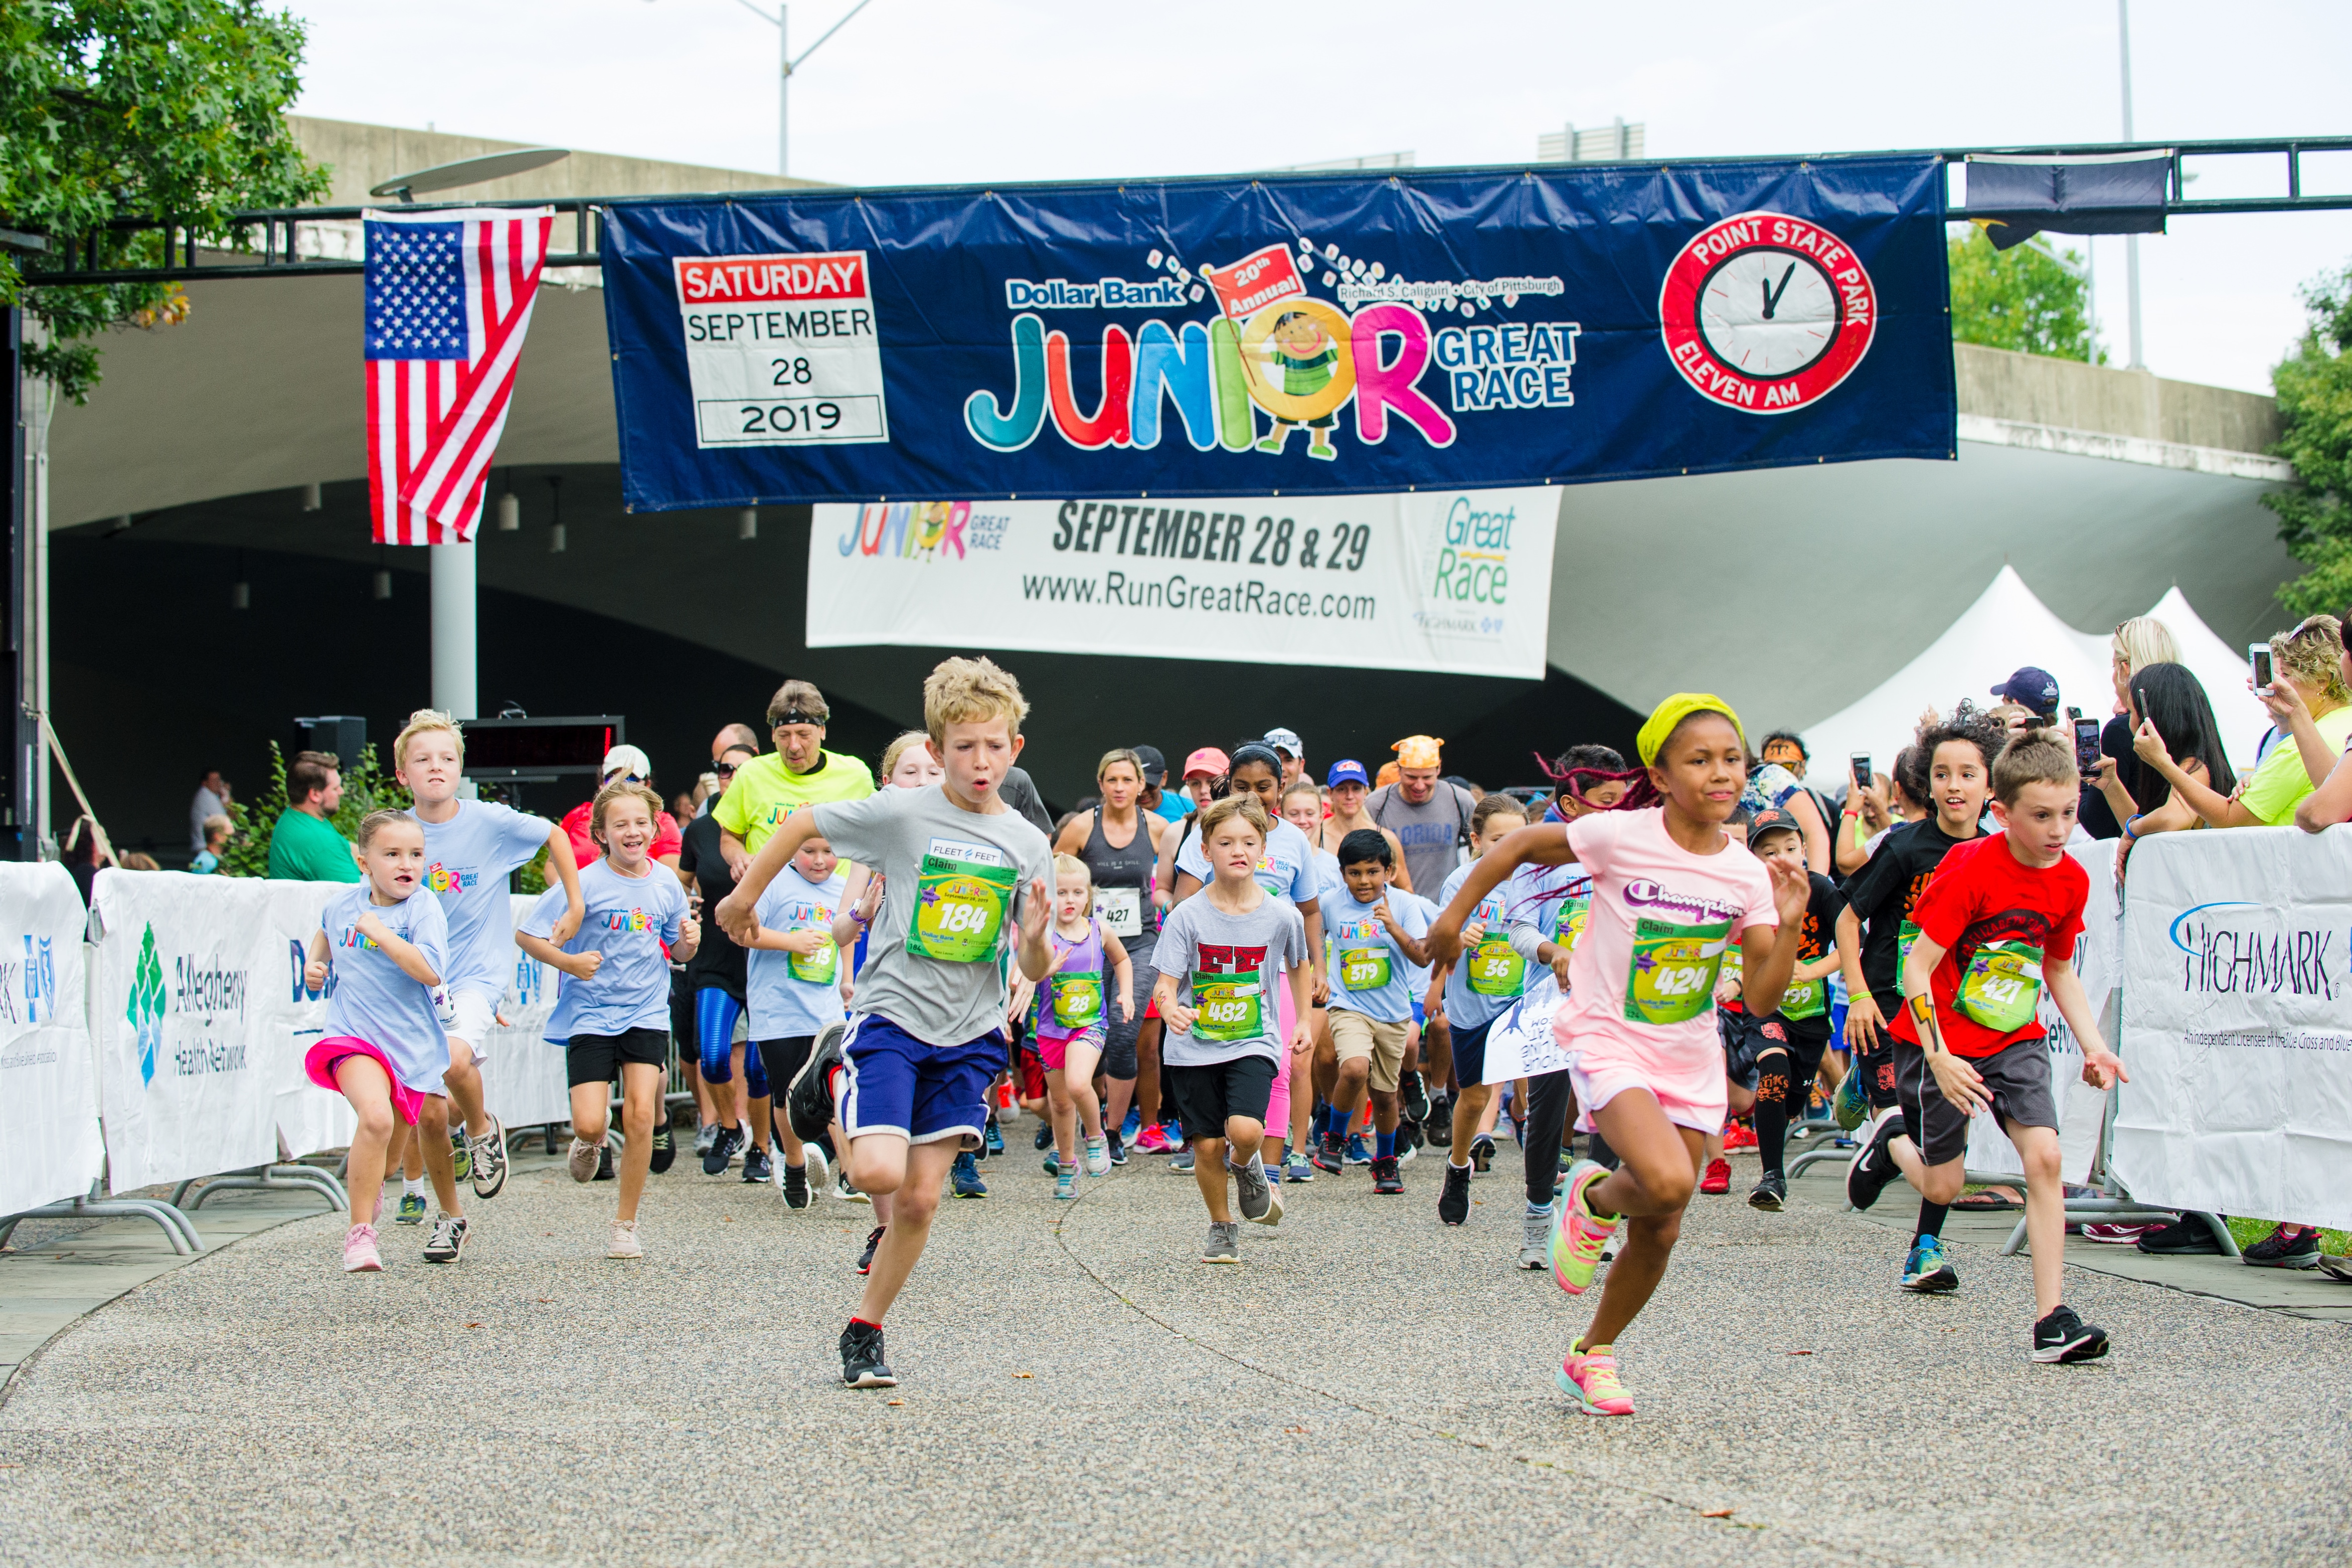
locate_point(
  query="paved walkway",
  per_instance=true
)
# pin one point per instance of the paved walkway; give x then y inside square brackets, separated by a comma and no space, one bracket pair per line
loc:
[1368,1387]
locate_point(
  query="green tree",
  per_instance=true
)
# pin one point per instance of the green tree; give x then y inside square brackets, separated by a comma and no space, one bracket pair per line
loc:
[2315,401]
[118,110]
[2027,297]
[365,790]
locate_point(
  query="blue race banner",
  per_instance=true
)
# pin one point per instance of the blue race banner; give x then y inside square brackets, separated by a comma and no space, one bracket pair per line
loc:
[1292,335]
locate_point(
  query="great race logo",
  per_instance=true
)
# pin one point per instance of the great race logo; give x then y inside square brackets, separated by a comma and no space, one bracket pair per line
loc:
[2221,956]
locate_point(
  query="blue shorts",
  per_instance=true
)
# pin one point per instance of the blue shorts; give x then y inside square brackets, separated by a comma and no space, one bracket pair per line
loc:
[923,1093]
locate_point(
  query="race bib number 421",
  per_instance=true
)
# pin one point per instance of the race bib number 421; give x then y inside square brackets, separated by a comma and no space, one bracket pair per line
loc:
[782,350]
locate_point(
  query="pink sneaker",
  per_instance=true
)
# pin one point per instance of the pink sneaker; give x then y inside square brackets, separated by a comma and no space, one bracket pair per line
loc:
[359,1256]
[1151,1140]
[1590,1379]
[1578,1238]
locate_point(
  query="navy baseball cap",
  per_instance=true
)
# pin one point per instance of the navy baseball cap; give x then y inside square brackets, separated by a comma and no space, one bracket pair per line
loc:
[2031,687]
[1348,771]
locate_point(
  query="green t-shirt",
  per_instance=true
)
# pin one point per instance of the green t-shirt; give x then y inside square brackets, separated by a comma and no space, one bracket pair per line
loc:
[762,794]
[304,848]
[2280,783]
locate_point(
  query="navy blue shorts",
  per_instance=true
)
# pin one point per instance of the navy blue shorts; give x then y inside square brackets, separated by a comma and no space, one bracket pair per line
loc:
[1470,1052]
[923,1093]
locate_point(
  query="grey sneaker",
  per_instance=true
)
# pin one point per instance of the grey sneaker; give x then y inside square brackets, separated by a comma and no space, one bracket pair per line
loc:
[489,1159]
[1259,1203]
[1223,1244]
[581,1159]
[1535,1248]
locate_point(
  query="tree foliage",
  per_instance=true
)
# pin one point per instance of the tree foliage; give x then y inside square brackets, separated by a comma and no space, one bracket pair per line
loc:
[2028,298]
[365,789]
[114,109]
[2314,400]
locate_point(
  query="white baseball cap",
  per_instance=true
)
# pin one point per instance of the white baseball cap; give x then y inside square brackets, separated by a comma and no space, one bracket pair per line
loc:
[626,759]
[1286,740]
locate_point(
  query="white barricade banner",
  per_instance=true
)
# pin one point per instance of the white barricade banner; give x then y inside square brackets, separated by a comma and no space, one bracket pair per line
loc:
[2237,1024]
[2082,1109]
[289,1017]
[185,1084]
[522,1074]
[49,1143]
[1438,579]
[1521,1044]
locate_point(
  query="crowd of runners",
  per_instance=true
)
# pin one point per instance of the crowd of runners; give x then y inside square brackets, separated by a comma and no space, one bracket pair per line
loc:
[1264,978]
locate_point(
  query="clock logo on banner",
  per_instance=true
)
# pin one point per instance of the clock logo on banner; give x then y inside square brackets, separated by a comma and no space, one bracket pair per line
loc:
[1766,313]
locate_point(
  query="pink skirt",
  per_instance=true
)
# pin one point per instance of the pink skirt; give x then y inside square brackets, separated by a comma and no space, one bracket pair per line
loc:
[325,1056]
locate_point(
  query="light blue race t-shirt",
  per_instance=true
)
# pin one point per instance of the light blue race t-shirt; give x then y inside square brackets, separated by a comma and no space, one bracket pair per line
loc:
[467,862]
[371,998]
[630,920]
[788,994]
[1285,869]
[1488,978]
[1417,974]
[1369,973]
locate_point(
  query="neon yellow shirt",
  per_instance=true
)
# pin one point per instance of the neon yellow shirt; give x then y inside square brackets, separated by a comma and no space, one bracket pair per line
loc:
[2281,783]
[763,793]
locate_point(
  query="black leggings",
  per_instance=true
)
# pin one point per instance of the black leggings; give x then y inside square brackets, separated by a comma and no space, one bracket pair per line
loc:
[1549,1097]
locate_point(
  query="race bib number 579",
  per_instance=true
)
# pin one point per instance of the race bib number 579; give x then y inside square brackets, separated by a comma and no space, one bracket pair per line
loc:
[782,350]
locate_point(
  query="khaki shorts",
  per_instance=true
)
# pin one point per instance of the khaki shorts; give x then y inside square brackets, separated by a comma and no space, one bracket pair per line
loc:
[1353,1034]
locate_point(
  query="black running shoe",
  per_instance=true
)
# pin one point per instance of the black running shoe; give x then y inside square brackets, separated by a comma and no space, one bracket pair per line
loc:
[873,1239]
[1454,1203]
[2063,1337]
[664,1149]
[862,1366]
[1118,1147]
[1045,1138]
[2279,1250]
[2185,1237]
[722,1150]
[1873,1166]
[1482,1152]
[1328,1155]
[1415,1097]
[603,1165]
[808,1100]
[1439,1123]
[796,1186]
[1385,1179]
[1772,1194]
[757,1168]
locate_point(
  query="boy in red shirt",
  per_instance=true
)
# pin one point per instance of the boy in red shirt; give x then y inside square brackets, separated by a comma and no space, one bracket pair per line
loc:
[1998,924]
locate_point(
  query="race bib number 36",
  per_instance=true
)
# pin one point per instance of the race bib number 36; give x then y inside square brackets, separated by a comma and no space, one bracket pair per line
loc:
[781,350]
[1673,971]
[961,903]
[1496,970]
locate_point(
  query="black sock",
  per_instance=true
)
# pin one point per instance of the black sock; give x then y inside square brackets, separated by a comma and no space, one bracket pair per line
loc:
[1772,1136]
[1931,1218]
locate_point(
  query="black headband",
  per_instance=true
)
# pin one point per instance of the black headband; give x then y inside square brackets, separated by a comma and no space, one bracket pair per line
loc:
[795,715]
[1256,751]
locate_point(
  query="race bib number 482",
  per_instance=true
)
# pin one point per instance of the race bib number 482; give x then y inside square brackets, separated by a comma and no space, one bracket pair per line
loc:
[782,350]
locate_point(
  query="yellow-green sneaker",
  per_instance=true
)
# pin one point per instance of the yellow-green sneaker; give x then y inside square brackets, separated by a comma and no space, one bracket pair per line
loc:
[412,1209]
[1578,1235]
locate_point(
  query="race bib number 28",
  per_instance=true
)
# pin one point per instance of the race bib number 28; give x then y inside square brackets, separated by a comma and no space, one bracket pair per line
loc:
[781,350]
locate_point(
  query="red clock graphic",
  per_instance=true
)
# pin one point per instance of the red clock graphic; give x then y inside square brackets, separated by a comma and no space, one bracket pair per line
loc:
[1766,313]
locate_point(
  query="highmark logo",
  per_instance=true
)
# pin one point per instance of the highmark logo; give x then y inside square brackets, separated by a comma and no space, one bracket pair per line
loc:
[148,1004]
[2227,952]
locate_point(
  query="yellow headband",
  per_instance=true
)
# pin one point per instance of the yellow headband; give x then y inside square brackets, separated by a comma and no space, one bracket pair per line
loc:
[1672,712]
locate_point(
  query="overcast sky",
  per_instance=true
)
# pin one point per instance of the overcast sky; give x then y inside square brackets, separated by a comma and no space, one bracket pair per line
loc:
[950,91]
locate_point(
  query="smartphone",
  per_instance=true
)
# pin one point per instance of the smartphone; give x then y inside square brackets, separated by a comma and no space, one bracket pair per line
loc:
[2259,656]
[2086,744]
[1862,773]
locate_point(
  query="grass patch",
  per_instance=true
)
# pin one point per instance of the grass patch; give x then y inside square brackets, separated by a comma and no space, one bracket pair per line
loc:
[2249,1231]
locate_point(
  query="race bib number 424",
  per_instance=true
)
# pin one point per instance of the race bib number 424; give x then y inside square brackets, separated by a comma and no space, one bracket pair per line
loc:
[782,350]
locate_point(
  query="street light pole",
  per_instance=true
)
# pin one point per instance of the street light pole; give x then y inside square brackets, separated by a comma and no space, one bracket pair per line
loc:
[2131,242]
[788,65]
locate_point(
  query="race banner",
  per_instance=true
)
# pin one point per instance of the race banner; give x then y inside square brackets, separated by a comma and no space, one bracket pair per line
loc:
[49,1147]
[186,1083]
[1450,580]
[1280,336]
[1521,1043]
[2237,1024]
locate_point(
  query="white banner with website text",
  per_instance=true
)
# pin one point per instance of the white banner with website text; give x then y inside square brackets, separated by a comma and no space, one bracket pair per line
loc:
[2237,1024]
[1450,580]
[49,1145]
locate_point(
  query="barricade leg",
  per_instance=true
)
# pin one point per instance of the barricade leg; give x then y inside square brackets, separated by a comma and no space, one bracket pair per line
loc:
[176,1226]
[271,1178]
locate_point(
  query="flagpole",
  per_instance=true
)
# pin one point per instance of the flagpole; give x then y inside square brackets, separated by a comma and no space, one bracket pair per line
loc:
[454,607]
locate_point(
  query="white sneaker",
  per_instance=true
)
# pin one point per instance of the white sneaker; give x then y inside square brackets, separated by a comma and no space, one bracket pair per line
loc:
[820,1169]
[1097,1157]
[1535,1251]
[625,1240]
[844,1191]
[581,1160]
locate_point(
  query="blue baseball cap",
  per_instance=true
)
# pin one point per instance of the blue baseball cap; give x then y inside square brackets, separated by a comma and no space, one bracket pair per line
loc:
[2031,687]
[1347,770]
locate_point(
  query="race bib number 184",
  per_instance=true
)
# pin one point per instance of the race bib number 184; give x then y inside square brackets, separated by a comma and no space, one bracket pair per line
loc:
[781,350]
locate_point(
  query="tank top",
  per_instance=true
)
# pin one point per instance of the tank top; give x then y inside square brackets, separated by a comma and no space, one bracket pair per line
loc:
[1123,881]
[1070,1001]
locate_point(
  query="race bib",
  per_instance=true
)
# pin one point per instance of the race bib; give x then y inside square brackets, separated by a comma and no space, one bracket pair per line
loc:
[963,893]
[1674,968]
[2002,986]
[1568,921]
[1496,970]
[1903,940]
[1078,1000]
[817,969]
[1227,1007]
[1120,909]
[1364,969]
[1805,1000]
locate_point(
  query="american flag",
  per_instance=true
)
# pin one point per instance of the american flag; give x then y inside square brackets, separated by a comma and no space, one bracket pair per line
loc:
[448,301]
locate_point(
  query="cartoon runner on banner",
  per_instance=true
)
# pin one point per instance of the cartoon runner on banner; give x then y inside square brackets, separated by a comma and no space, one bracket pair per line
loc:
[1282,328]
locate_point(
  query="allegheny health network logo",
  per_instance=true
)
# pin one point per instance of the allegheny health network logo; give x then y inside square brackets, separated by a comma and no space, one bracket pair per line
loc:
[147,1005]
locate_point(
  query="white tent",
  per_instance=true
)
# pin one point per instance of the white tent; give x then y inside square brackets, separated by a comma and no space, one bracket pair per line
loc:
[2008,627]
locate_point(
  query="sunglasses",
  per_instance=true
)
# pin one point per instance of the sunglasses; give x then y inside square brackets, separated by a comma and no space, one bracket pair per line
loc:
[624,778]
[725,769]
